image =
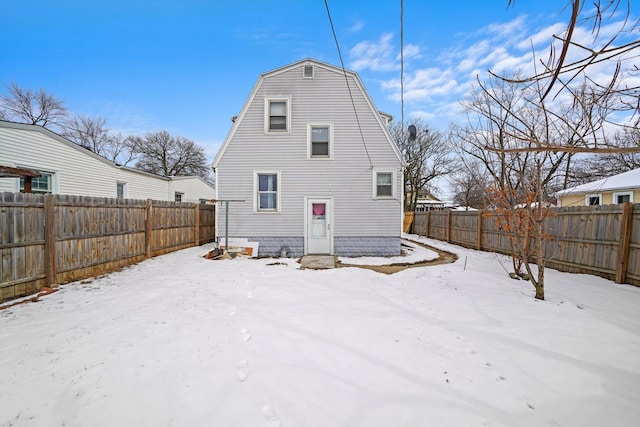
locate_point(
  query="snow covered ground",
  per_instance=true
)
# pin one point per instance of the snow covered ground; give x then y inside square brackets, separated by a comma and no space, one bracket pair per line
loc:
[182,341]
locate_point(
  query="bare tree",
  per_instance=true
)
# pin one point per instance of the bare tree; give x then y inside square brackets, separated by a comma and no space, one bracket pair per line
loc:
[89,132]
[164,154]
[501,113]
[427,155]
[570,72]
[469,186]
[120,149]
[607,164]
[36,108]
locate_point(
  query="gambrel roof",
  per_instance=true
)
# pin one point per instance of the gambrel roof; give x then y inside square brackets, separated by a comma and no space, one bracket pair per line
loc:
[382,118]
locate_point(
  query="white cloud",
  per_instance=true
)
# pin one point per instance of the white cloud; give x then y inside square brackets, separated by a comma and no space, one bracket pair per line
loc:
[433,90]
[542,38]
[411,51]
[422,115]
[356,27]
[375,56]
[505,30]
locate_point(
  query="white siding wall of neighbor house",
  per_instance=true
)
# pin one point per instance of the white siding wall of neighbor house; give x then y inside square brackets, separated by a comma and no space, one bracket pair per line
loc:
[32,149]
[193,189]
[348,177]
[143,186]
[80,172]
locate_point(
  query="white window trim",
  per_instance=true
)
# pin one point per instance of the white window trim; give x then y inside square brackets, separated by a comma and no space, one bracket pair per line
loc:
[54,178]
[375,184]
[285,99]
[125,189]
[256,203]
[623,193]
[313,71]
[588,196]
[320,124]
[181,193]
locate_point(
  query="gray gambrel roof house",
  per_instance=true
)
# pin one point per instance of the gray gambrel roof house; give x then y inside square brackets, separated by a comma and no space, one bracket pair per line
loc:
[311,167]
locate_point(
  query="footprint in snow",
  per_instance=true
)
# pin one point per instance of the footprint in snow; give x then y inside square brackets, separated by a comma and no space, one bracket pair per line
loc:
[243,370]
[270,416]
[246,335]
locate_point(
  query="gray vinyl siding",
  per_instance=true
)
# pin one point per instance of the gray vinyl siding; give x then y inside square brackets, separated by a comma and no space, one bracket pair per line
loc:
[347,177]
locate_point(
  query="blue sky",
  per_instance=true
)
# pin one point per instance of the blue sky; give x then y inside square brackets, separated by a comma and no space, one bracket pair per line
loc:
[187,66]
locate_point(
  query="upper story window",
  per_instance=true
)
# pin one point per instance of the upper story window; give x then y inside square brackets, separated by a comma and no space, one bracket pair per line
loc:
[42,184]
[623,197]
[594,199]
[383,184]
[320,141]
[276,115]
[178,196]
[267,191]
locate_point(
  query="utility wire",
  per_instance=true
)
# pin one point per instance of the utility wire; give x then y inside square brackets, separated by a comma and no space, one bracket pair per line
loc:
[402,65]
[344,72]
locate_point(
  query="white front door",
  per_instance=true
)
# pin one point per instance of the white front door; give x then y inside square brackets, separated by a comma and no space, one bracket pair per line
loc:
[319,236]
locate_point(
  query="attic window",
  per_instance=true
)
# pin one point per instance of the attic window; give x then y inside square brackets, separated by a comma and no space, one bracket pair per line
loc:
[308,72]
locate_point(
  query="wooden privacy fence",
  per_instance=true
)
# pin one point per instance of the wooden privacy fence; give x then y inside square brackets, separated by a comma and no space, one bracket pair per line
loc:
[47,240]
[598,240]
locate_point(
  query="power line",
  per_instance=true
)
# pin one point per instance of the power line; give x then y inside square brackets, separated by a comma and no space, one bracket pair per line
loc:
[344,72]
[402,64]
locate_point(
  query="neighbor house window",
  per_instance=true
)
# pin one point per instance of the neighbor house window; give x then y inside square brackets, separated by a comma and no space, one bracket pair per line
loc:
[276,115]
[623,197]
[267,191]
[40,184]
[320,137]
[121,190]
[383,184]
[594,199]
[178,197]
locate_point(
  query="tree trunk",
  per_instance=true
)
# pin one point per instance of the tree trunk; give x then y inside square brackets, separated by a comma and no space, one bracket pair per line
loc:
[540,261]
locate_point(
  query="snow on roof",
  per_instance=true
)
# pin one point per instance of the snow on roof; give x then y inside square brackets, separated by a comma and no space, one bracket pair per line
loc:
[626,180]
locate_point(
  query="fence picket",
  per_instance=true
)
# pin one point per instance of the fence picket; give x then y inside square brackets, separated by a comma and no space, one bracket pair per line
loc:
[47,240]
[600,240]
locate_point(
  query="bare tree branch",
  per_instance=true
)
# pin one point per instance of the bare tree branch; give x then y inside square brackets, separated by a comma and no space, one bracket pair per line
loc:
[36,108]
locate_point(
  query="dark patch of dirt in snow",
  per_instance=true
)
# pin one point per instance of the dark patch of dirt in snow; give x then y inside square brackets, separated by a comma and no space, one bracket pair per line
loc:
[444,257]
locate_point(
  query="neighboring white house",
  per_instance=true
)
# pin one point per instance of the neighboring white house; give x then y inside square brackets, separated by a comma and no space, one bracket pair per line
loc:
[67,168]
[621,188]
[311,167]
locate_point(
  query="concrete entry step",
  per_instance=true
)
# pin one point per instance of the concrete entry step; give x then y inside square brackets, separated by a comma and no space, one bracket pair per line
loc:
[318,262]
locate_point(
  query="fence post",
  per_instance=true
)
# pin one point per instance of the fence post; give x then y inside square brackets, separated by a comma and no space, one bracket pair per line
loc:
[50,241]
[448,226]
[148,235]
[623,246]
[197,225]
[479,238]
[428,226]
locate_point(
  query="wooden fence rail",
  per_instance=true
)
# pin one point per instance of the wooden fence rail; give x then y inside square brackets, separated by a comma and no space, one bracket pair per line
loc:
[598,240]
[46,240]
